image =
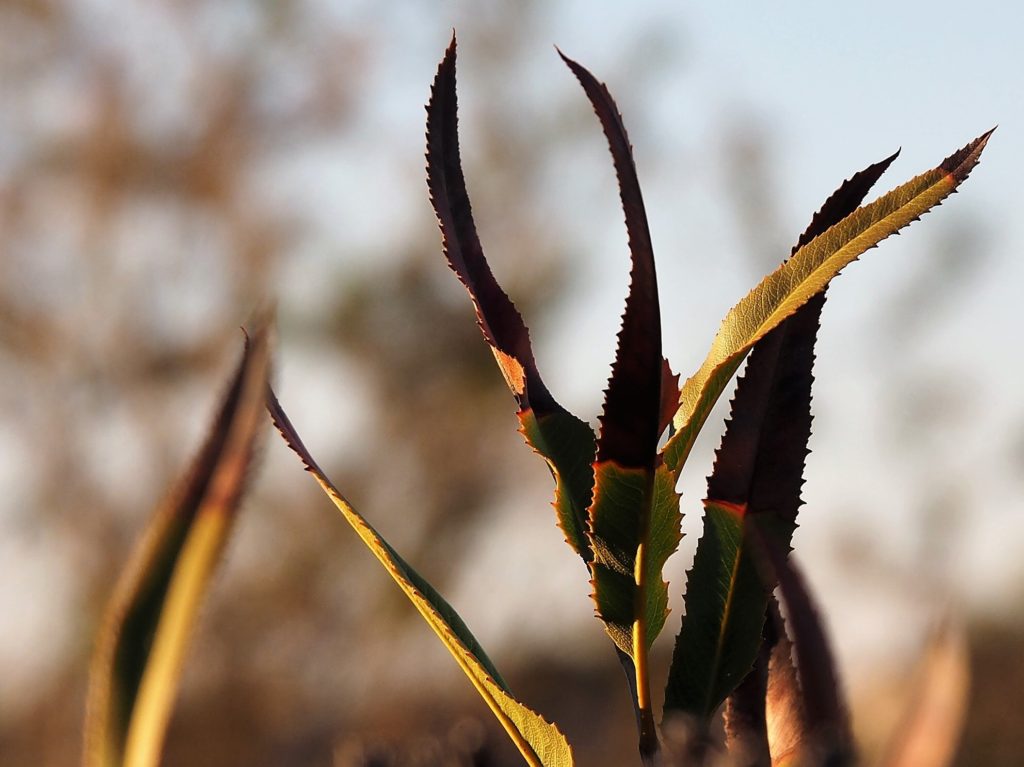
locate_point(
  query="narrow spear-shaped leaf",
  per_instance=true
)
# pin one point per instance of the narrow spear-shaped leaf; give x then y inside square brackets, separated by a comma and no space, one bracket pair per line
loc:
[826,739]
[540,742]
[758,471]
[144,636]
[634,515]
[785,717]
[562,439]
[745,716]
[805,274]
[632,406]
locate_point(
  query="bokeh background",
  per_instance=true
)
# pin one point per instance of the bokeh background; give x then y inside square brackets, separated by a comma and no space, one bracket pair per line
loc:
[167,167]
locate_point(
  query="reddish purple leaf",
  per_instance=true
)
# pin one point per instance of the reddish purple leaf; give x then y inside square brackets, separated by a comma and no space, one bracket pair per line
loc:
[632,406]
[564,441]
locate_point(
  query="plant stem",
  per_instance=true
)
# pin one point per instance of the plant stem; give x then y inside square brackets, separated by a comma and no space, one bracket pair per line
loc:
[648,731]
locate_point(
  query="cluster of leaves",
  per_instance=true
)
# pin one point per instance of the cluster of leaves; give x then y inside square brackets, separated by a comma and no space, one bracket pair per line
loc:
[615,492]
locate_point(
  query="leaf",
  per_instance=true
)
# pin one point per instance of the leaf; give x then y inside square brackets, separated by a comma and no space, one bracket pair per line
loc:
[934,719]
[809,270]
[562,439]
[826,737]
[669,396]
[142,643]
[567,444]
[745,716]
[758,471]
[634,514]
[540,742]
[632,407]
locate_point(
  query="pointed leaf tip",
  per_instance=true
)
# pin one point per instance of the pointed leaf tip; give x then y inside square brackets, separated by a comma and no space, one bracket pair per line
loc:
[564,441]
[143,641]
[960,164]
[808,272]
[499,320]
[631,417]
[844,200]
[820,686]
[634,514]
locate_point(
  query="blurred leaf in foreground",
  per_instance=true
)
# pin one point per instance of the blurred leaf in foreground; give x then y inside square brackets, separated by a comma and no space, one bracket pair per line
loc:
[142,644]
[813,725]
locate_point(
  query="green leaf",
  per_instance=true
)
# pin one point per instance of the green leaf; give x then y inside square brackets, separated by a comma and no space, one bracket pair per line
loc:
[562,439]
[758,471]
[712,653]
[620,603]
[540,742]
[567,445]
[805,274]
[144,636]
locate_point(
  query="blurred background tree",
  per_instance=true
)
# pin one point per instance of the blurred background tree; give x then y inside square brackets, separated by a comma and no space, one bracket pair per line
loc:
[164,168]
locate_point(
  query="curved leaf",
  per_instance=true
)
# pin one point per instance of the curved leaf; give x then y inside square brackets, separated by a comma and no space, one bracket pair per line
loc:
[758,471]
[809,270]
[825,732]
[745,714]
[634,514]
[785,717]
[144,637]
[540,742]
[562,439]
[632,406]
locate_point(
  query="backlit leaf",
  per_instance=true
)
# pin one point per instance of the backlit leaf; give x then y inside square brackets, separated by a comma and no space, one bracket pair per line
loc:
[144,636]
[758,471]
[745,714]
[785,717]
[669,396]
[564,441]
[634,514]
[809,270]
[826,738]
[539,741]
